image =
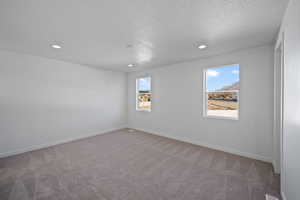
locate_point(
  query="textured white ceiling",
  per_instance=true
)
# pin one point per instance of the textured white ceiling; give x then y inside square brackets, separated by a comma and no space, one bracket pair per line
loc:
[159,32]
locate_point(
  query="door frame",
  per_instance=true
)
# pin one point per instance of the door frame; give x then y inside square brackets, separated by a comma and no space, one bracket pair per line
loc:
[278,134]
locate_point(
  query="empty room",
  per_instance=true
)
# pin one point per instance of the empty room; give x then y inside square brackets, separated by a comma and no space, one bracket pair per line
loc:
[150,100]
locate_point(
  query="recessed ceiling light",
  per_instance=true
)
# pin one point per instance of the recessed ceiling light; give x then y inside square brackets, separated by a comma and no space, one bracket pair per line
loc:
[130,65]
[202,46]
[56,46]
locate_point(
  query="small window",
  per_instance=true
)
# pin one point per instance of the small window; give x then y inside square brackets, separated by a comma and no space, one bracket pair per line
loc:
[222,86]
[143,94]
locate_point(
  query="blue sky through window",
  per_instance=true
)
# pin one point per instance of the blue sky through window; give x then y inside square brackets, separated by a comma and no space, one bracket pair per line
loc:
[144,84]
[219,77]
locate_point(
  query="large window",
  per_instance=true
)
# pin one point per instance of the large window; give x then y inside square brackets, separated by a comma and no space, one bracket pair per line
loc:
[222,86]
[143,94]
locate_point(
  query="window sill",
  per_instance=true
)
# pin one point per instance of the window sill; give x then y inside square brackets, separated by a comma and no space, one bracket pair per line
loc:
[147,111]
[221,117]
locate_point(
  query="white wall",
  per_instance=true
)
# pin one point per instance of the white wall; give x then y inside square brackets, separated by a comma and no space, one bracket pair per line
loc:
[290,31]
[44,101]
[178,104]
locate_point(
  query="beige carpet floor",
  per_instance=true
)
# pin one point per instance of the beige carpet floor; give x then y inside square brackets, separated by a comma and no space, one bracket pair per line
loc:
[134,166]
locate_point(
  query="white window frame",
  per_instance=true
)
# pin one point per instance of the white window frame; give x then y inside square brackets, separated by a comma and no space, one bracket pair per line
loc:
[137,92]
[205,94]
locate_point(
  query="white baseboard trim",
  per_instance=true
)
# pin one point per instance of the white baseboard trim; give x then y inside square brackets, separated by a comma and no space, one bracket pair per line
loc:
[45,145]
[211,146]
[283,196]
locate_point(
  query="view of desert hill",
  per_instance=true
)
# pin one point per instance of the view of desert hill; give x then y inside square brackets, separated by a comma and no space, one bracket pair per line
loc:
[234,86]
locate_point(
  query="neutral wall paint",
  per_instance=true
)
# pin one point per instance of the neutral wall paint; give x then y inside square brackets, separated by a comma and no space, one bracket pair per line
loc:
[178,104]
[290,31]
[45,102]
